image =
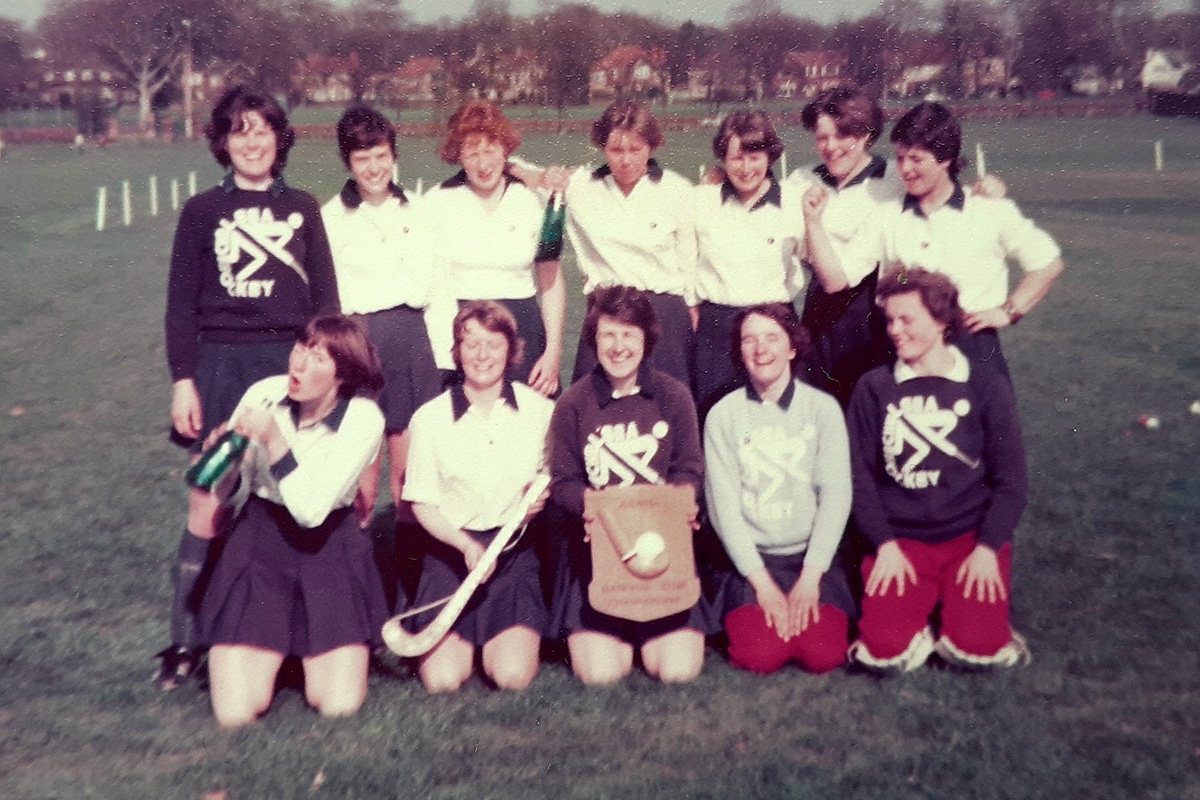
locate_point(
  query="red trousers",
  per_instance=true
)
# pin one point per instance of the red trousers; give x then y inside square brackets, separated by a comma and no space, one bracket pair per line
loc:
[754,646]
[890,621]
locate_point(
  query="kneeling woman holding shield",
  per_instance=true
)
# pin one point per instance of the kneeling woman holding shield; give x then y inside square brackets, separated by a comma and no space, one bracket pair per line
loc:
[624,425]
[297,576]
[475,449]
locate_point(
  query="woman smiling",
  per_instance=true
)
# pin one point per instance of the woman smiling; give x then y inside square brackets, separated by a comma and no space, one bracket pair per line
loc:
[486,228]
[474,450]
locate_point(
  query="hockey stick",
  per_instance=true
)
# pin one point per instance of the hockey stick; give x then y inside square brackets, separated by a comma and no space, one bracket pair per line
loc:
[403,643]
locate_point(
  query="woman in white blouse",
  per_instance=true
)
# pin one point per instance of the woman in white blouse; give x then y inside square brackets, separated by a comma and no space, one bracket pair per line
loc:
[297,576]
[486,228]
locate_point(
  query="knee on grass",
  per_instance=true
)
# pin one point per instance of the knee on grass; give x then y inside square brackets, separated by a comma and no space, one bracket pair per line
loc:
[339,703]
[512,675]
[441,677]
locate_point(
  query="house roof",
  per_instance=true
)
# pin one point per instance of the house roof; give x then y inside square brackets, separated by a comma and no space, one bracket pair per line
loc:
[627,55]
[419,66]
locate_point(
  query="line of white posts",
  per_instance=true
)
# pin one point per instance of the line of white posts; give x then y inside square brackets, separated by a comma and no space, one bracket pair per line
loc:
[127,199]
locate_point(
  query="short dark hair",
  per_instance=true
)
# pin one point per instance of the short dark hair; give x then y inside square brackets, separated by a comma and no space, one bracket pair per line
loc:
[227,118]
[755,134]
[492,316]
[938,294]
[478,116]
[932,127]
[356,363]
[627,115]
[783,314]
[624,304]
[852,111]
[362,128]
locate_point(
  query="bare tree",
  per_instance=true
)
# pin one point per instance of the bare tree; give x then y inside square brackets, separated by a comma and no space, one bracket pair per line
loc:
[141,41]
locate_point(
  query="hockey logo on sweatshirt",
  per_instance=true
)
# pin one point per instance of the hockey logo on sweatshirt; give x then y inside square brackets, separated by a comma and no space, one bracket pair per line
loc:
[913,429]
[620,454]
[244,244]
[771,460]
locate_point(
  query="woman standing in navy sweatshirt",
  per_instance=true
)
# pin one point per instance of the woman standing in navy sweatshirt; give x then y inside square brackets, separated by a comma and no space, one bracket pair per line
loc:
[939,487]
[250,266]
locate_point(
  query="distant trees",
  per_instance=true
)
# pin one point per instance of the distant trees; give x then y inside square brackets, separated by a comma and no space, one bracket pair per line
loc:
[15,65]
[142,42]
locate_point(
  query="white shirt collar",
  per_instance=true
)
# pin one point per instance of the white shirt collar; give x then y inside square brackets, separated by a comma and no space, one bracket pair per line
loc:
[959,372]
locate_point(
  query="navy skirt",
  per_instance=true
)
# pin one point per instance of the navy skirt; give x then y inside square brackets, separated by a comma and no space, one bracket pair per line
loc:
[849,337]
[410,375]
[571,612]
[294,590]
[716,366]
[223,374]
[511,596]
[734,591]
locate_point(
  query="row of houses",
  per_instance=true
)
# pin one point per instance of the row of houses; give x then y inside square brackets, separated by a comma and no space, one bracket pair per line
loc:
[521,76]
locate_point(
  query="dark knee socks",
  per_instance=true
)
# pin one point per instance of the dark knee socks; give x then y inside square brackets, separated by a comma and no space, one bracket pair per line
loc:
[189,564]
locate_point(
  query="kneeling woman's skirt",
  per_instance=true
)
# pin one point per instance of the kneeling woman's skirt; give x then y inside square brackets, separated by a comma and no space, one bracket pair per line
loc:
[294,590]
[734,591]
[511,596]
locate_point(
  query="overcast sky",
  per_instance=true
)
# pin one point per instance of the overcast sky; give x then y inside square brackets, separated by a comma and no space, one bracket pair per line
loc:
[704,11]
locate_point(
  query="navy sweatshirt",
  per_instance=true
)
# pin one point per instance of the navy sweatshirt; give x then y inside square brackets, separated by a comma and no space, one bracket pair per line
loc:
[934,458]
[597,440]
[246,267]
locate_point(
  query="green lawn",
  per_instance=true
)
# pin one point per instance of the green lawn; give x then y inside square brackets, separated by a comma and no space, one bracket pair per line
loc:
[1106,576]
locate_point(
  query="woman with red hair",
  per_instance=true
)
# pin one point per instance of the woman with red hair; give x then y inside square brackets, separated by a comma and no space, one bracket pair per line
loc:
[487,227]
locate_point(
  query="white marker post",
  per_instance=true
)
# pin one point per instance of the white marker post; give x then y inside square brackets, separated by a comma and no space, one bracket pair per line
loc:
[126,204]
[420,186]
[191,184]
[980,163]
[101,207]
[783,165]
[1158,156]
[396,174]
[174,194]
[154,195]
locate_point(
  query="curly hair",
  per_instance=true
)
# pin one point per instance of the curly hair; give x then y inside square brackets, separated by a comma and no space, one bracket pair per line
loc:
[626,305]
[938,294]
[482,117]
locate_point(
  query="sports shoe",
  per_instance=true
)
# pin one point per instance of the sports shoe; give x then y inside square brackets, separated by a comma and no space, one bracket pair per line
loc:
[179,663]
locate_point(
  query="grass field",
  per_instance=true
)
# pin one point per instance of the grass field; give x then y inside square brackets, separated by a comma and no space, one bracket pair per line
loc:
[1106,577]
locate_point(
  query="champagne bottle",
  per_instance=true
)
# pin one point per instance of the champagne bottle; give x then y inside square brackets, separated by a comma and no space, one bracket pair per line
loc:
[217,460]
[550,239]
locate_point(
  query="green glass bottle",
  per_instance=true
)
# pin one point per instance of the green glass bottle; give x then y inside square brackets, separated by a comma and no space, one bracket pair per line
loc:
[550,239]
[217,460]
